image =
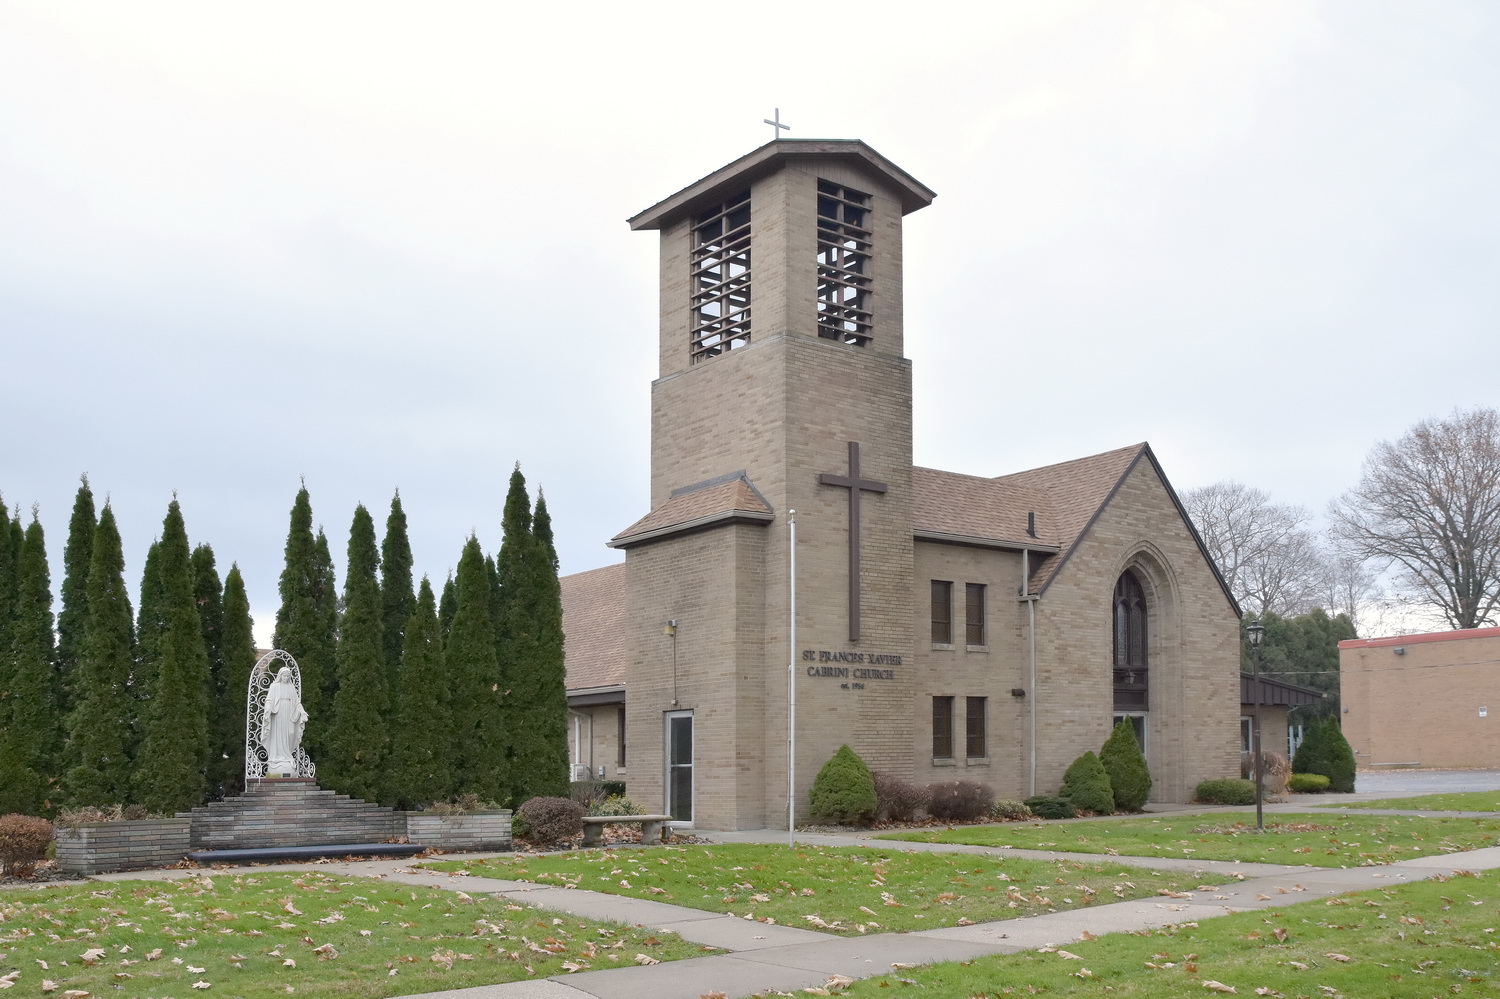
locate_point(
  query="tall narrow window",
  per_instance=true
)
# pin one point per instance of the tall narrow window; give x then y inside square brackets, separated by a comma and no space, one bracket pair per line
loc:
[942,728]
[620,749]
[974,613]
[942,612]
[976,742]
[721,278]
[1131,669]
[843,264]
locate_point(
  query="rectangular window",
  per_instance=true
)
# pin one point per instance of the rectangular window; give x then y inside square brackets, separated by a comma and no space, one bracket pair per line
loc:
[974,613]
[620,749]
[976,746]
[843,264]
[720,278]
[942,612]
[942,728]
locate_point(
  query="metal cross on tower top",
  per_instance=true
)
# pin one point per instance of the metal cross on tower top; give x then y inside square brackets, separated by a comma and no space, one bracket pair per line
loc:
[855,485]
[776,125]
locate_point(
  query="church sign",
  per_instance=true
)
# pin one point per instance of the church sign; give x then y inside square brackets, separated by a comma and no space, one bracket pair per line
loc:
[859,668]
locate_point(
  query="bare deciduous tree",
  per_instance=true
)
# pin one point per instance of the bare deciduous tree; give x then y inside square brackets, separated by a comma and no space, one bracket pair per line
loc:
[1264,550]
[1428,505]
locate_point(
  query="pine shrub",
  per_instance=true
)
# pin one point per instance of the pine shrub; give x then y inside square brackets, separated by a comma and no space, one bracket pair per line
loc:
[549,821]
[958,800]
[616,804]
[844,790]
[1325,751]
[1311,756]
[1086,786]
[1129,777]
[1046,806]
[1226,791]
[897,799]
[1307,783]
[23,842]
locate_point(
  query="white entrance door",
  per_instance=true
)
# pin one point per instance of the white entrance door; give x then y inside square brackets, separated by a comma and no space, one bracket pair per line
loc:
[680,765]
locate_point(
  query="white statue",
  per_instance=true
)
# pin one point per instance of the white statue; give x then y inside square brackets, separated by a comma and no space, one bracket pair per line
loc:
[281,725]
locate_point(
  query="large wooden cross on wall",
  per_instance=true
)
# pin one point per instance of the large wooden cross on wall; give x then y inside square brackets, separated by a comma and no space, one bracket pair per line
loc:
[856,486]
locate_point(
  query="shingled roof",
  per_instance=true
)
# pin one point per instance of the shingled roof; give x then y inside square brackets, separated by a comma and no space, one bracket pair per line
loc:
[594,627]
[729,497]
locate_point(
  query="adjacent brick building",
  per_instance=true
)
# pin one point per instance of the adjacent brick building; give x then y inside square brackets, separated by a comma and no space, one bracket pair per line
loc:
[946,625]
[1428,700]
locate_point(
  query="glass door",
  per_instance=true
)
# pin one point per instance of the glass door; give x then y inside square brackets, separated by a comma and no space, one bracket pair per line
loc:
[680,765]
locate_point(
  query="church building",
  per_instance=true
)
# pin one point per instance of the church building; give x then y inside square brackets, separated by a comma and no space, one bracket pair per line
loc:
[945,625]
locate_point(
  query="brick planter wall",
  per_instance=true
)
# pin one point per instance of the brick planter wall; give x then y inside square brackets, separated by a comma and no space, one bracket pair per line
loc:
[102,847]
[475,831]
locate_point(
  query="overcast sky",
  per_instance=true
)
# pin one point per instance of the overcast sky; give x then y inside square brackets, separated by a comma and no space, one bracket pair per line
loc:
[383,245]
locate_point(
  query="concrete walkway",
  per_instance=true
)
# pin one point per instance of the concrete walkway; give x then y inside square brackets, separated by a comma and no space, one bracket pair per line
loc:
[764,957]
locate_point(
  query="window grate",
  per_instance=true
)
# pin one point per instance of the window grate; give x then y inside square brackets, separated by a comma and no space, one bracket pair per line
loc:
[720,278]
[843,264]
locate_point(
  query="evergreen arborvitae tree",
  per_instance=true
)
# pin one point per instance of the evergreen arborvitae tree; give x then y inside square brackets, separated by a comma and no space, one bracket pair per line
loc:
[1341,764]
[448,607]
[1086,786]
[303,626]
[101,721]
[1312,756]
[479,758]
[238,652]
[397,600]
[150,625]
[21,788]
[208,595]
[355,748]
[31,710]
[529,627]
[1129,777]
[420,763]
[73,616]
[170,770]
[8,559]
[328,616]
[843,792]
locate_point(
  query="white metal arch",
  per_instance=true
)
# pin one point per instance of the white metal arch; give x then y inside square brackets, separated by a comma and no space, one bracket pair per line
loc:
[261,678]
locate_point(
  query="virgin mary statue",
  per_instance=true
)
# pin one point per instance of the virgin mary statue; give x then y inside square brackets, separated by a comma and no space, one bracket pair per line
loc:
[281,725]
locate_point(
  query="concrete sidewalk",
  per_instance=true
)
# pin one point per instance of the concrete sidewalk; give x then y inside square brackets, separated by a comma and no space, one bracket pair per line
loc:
[762,957]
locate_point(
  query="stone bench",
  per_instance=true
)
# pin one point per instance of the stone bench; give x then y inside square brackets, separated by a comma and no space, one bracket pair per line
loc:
[593,827]
[257,855]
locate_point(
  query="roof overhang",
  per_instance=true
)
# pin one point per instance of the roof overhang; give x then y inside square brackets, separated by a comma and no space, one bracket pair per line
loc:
[973,541]
[586,697]
[697,524]
[1276,693]
[771,157]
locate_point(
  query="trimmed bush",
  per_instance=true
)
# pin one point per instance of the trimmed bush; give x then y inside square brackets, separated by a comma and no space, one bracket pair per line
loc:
[844,790]
[1046,806]
[23,842]
[1325,751]
[549,821]
[1307,783]
[1010,811]
[1129,777]
[589,793]
[617,804]
[958,800]
[1086,786]
[897,799]
[1226,791]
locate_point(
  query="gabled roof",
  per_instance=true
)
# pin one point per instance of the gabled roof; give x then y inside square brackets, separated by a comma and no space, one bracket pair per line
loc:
[1067,498]
[727,498]
[594,626]
[757,163]
[1276,692]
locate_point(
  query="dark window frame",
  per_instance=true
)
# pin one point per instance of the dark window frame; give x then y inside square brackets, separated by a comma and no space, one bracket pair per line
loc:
[1131,655]
[976,728]
[942,727]
[942,601]
[620,749]
[974,630]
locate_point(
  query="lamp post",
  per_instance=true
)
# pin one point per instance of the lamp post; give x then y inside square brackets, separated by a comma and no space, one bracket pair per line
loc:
[1257,631]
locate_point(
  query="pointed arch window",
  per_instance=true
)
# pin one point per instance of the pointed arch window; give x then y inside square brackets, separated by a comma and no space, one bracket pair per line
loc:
[1131,665]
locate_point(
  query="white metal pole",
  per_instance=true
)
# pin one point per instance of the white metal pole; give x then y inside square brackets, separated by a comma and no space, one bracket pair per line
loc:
[791,679]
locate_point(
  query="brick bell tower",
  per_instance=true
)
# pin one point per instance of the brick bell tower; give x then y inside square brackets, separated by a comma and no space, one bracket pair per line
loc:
[783,386]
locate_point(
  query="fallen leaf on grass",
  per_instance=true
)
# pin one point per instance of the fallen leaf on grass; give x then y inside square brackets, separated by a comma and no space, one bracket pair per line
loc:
[1214,986]
[48,985]
[1338,957]
[202,985]
[646,959]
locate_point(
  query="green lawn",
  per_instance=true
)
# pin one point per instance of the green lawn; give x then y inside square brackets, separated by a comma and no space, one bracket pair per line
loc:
[308,933]
[1464,801]
[1323,839]
[842,890]
[1409,942]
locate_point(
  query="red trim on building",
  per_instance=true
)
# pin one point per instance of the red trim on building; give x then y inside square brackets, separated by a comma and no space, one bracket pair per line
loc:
[1433,636]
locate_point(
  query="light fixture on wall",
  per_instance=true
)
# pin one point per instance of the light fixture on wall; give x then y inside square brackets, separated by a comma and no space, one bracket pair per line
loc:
[1400,650]
[670,630]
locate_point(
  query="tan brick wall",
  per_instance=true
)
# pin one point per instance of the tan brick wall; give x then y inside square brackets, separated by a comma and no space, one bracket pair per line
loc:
[1192,730]
[1422,706]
